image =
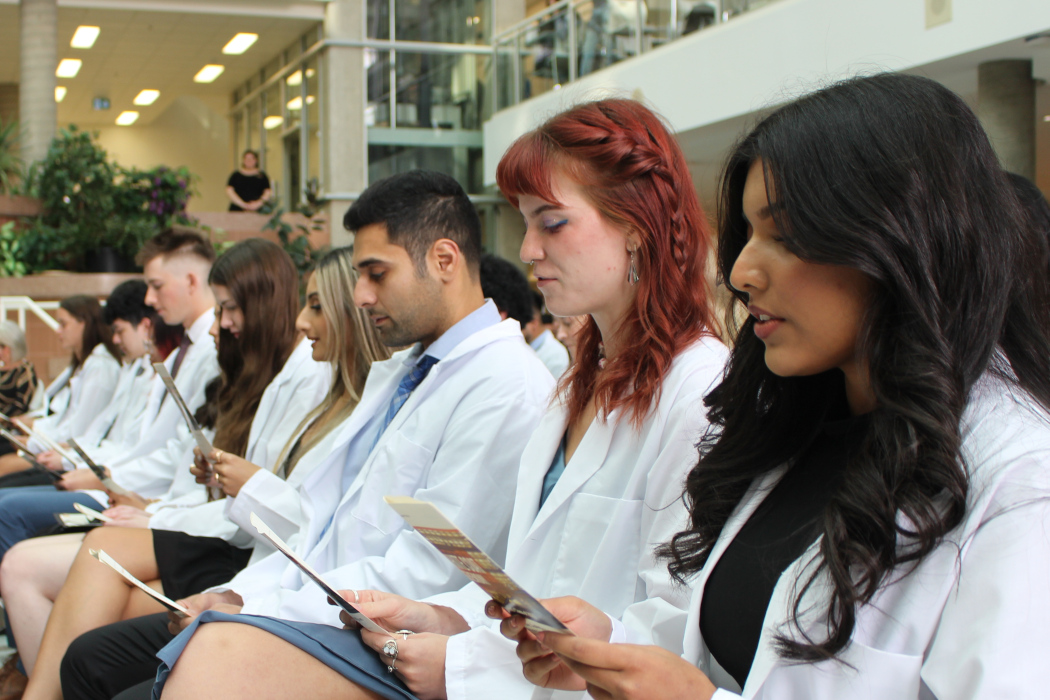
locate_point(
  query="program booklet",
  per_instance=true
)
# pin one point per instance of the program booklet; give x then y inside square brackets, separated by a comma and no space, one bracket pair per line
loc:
[479,567]
[111,486]
[164,600]
[195,428]
[359,617]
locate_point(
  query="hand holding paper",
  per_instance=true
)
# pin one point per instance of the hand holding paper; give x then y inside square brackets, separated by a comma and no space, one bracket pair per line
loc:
[111,486]
[429,522]
[284,549]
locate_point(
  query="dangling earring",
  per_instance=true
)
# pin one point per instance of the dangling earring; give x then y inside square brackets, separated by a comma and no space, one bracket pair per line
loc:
[632,271]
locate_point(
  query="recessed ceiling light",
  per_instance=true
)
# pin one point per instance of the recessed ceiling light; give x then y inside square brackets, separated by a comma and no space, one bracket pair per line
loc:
[68,67]
[208,73]
[84,37]
[127,118]
[296,78]
[60,93]
[240,43]
[1046,118]
[146,97]
[272,122]
[296,103]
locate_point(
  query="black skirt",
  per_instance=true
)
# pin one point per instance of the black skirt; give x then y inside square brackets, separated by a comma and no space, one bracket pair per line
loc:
[189,565]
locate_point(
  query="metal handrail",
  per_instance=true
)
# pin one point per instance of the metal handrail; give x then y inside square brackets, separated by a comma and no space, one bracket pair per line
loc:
[21,304]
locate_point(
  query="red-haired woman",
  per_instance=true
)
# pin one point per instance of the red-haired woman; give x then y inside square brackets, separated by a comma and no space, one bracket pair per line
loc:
[615,233]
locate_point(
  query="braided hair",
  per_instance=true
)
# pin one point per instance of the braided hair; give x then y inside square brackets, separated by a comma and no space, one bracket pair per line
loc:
[630,167]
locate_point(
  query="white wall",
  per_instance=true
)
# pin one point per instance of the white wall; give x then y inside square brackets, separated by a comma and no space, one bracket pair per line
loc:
[190,132]
[781,51]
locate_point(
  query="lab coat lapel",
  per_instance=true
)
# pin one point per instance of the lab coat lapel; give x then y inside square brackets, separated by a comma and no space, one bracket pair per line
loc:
[536,460]
[588,458]
[322,490]
[779,611]
[754,496]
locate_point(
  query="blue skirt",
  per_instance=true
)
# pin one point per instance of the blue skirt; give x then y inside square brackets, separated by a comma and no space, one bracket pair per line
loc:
[338,649]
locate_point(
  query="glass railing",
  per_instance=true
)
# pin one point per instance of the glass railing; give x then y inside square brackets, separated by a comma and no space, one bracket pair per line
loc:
[573,38]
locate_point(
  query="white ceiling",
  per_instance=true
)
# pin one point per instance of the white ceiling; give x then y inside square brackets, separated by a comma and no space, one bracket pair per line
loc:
[158,45]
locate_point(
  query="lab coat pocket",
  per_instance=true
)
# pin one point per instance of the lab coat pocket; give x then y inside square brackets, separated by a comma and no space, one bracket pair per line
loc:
[859,673]
[597,558]
[398,469]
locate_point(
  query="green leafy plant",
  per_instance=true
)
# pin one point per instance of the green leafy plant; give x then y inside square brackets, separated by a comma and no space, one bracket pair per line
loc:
[10,163]
[296,239]
[11,264]
[90,203]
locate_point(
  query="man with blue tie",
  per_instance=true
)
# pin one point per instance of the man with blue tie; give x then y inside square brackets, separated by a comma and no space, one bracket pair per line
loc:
[444,420]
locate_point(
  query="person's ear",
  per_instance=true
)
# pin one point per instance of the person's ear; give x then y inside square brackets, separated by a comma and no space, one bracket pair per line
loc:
[146,326]
[445,259]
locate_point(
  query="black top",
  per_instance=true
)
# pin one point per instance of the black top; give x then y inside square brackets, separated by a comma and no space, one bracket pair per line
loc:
[248,187]
[783,526]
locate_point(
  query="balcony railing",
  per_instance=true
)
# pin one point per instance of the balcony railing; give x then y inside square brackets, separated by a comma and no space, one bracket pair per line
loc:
[573,38]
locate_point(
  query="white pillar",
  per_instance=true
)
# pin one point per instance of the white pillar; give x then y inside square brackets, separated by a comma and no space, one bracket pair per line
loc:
[345,135]
[38,113]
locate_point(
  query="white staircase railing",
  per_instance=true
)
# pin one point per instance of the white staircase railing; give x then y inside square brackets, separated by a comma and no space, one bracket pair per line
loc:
[22,304]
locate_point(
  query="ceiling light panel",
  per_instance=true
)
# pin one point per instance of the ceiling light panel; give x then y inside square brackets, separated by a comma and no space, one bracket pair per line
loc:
[146,97]
[239,43]
[208,73]
[68,67]
[127,118]
[60,93]
[84,37]
[272,122]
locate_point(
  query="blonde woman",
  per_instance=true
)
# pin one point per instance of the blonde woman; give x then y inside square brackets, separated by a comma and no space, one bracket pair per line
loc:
[342,336]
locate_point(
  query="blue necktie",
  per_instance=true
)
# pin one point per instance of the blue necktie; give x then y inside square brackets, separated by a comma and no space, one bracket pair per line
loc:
[408,384]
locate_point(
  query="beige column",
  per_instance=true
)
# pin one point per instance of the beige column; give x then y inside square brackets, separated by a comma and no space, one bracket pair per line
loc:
[344,135]
[1006,107]
[38,114]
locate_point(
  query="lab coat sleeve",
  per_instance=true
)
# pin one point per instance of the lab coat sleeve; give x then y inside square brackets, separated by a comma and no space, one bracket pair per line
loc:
[202,519]
[256,582]
[470,480]
[151,475]
[994,631]
[272,499]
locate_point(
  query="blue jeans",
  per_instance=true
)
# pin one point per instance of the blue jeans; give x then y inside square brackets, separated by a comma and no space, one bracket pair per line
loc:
[26,511]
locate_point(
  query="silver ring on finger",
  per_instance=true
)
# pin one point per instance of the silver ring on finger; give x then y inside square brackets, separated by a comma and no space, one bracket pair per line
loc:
[391,667]
[404,633]
[390,650]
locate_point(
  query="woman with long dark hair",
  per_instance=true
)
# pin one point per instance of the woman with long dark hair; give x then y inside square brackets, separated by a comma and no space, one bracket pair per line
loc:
[85,387]
[869,516]
[615,235]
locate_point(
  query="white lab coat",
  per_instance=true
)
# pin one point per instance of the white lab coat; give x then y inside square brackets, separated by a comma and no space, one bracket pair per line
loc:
[89,391]
[456,442]
[120,422]
[972,621]
[552,353]
[276,500]
[619,497]
[296,390]
[161,417]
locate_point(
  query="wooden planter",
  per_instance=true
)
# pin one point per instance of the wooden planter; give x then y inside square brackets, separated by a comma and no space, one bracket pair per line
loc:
[15,207]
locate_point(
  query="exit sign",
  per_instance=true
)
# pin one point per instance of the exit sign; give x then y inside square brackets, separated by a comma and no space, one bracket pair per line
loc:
[100,103]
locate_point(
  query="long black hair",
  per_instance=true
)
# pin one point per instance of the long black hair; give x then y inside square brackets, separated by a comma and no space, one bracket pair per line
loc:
[891,175]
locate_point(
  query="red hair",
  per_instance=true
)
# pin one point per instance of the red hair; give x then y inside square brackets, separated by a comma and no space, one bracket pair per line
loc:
[632,170]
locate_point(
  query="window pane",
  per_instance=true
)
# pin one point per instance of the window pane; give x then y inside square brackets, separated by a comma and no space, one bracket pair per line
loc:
[377,65]
[445,21]
[378,19]
[461,162]
[439,91]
